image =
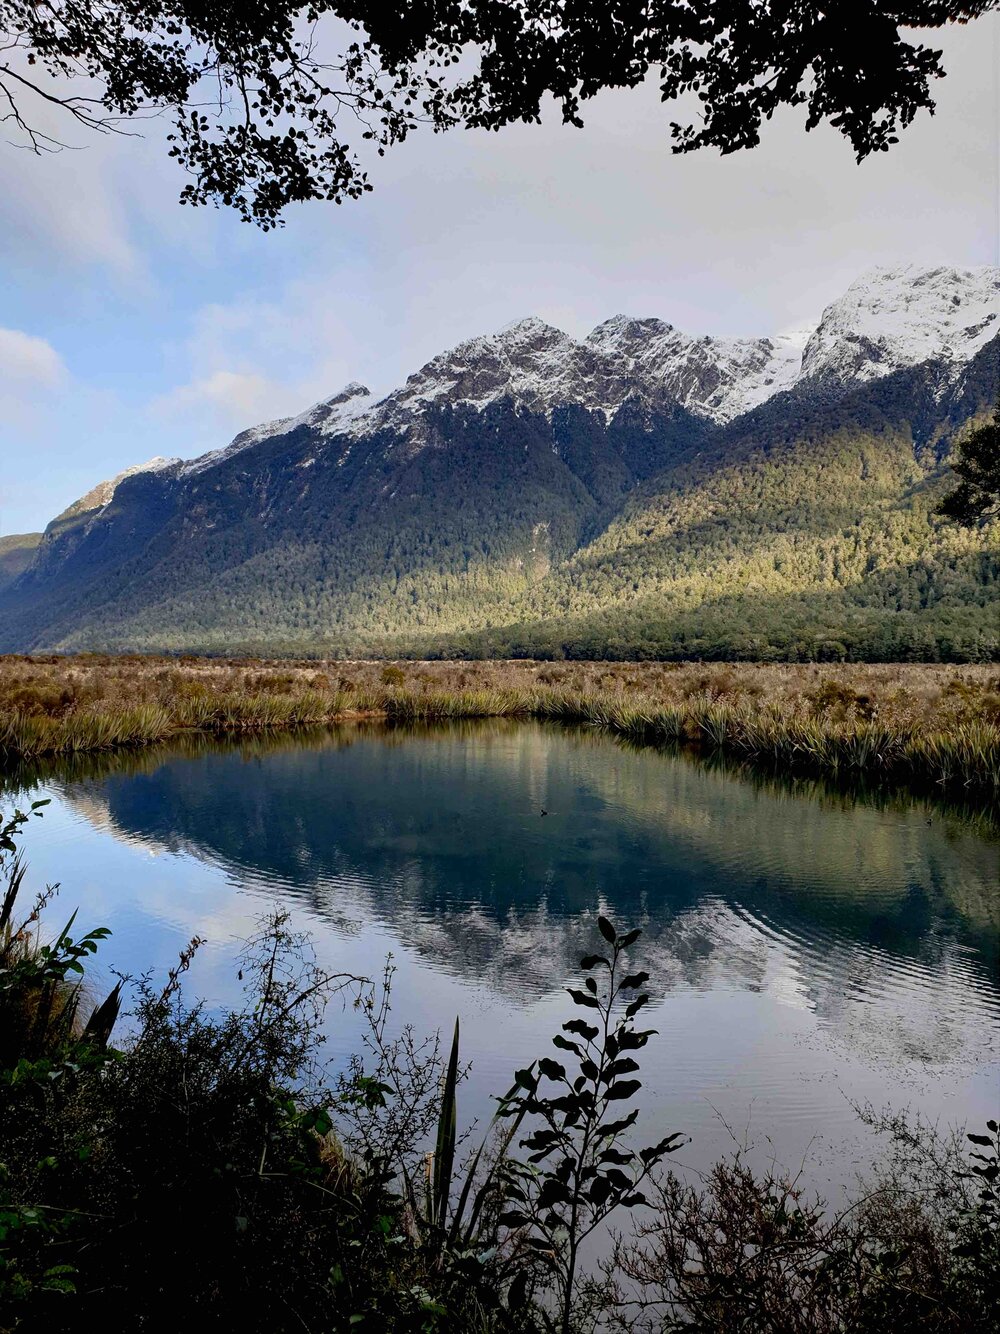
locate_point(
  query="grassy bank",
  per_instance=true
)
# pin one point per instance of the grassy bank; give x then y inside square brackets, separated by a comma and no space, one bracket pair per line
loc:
[930,725]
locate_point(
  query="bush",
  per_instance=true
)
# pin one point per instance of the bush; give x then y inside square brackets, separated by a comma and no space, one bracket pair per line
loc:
[918,1251]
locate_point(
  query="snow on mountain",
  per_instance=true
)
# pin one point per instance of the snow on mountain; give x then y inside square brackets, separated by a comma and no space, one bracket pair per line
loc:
[895,317]
[530,362]
[718,378]
[100,495]
[887,319]
[330,415]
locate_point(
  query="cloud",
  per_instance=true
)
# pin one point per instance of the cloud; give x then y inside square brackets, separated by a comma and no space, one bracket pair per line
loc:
[233,398]
[182,326]
[27,361]
[33,379]
[255,360]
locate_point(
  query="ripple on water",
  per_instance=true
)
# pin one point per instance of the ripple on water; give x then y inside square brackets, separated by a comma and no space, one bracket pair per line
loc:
[802,950]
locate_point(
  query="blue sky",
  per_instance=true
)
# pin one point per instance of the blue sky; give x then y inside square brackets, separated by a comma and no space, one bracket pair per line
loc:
[131,327]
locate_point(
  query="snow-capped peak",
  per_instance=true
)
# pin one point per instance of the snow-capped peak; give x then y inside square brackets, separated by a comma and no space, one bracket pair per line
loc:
[887,319]
[329,415]
[895,317]
[529,362]
[712,377]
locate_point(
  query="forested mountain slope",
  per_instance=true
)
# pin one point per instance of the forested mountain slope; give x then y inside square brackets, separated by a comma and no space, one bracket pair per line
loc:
[640,492]
[806,529]
[17,551]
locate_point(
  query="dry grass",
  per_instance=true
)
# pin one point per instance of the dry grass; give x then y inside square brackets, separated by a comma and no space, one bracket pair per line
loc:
[935,724]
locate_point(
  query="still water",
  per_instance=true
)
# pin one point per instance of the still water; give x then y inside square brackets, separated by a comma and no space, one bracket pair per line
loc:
[807,951]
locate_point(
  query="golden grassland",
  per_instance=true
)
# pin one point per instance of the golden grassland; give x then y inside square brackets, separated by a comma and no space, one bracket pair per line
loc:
[912,723]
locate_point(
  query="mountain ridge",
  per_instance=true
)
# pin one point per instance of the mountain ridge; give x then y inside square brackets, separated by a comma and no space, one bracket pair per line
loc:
[471,498]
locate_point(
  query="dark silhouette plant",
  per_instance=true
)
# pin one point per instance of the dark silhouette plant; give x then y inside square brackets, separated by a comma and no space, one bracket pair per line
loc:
[270,104]
[976,498]
[579,1171]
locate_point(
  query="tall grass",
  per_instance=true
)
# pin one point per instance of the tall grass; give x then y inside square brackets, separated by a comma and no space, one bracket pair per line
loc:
[28,736]
[914,725]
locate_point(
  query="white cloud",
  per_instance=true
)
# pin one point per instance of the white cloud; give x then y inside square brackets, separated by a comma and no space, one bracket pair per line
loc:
[28,361]
[234,398]
[255,360]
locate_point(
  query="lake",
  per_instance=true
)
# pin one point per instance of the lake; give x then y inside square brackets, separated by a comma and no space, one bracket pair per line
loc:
[807,950]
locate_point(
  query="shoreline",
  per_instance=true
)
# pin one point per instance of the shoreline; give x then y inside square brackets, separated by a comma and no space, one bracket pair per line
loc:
[931,727]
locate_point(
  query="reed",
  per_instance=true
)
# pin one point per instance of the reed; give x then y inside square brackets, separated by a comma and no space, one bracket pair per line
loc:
[31,736]
[928,725]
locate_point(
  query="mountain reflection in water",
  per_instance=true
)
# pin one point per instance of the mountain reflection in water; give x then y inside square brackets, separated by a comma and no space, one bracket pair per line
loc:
[878,923]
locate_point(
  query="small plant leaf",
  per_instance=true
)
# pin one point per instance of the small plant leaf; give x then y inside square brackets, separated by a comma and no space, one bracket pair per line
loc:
[580,1026]
[625,1088]
[592,960]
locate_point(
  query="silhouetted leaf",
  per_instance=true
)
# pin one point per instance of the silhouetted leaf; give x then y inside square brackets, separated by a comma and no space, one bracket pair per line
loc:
[592,960]
[667,1145]
[606,930]
[553,1191]
[616,1156]
[616,1127]
[599,1190]
[625,1088]
[551,1069]
[565,1045]
[633,1041]
[625,1066]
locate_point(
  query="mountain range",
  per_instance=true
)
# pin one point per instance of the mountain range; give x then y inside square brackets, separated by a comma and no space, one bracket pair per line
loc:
[638,492]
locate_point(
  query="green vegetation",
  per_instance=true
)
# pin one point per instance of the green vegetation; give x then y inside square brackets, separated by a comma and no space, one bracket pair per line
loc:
[976,498]
[209,1164]
[920,726]
[16,553]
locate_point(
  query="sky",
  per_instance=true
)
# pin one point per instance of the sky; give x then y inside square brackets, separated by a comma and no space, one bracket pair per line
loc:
[131,326]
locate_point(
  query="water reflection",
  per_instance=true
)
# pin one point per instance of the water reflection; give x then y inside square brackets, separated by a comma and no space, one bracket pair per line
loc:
[806,948]
[883,922]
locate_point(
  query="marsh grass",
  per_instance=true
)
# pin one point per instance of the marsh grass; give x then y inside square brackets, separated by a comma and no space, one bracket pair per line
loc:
[933,726]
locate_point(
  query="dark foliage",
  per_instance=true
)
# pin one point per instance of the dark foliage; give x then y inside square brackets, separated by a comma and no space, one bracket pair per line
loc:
[194,1176]
[916,1251]
[270,103]
[579,1169]
[976,498]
